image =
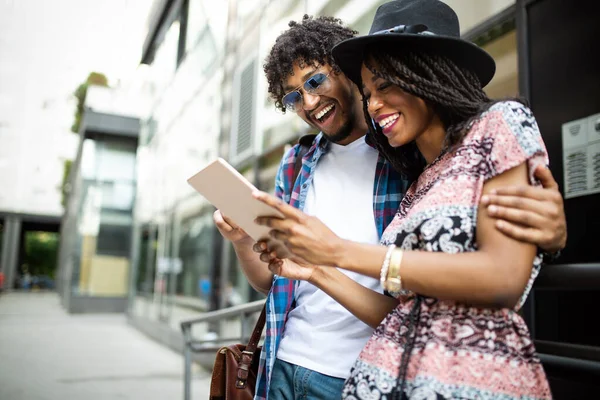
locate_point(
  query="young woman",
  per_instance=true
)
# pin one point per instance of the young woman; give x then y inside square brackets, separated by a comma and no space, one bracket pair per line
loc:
[456,332]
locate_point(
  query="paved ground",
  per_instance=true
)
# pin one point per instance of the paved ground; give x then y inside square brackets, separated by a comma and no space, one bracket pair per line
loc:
[48,354]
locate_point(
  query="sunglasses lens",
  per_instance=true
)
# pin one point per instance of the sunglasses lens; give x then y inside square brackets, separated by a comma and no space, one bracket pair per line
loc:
[315,82]
[292,101]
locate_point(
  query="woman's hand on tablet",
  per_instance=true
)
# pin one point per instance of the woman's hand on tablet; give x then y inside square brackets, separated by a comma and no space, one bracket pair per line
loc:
[229,229]
[297,270]
[305,236]
[294,268]
[277,248]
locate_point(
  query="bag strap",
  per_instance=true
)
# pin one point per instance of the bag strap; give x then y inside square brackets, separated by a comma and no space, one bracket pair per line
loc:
[248,352]
[305,143]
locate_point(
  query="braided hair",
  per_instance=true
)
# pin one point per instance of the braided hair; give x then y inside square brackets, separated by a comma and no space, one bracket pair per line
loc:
[454,93]
[308,42]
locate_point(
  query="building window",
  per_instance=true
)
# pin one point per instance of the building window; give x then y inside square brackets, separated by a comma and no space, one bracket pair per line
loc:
[196,23]
[195,252]
[243,123]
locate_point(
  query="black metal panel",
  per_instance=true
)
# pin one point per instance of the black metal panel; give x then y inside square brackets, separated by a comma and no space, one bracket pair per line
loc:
[557,40]
[564,85]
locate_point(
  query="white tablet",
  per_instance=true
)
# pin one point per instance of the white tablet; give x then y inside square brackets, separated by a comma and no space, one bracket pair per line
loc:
[229,191]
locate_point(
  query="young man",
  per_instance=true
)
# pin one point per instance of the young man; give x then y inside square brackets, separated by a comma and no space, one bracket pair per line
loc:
[317,326]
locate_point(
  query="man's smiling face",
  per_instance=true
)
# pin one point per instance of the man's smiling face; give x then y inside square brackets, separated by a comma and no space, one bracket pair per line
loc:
[332,111]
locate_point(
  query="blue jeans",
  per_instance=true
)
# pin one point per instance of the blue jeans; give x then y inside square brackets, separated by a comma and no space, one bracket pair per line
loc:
[292,382]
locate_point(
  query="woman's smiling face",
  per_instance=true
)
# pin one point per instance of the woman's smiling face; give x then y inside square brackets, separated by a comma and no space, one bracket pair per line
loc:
[401,116]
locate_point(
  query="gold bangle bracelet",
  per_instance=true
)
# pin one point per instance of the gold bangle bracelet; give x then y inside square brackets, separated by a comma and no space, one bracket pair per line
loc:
[393,281]
[386,263]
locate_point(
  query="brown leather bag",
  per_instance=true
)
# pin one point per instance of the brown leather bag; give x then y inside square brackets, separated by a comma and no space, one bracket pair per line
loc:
[241,361]
[236,367]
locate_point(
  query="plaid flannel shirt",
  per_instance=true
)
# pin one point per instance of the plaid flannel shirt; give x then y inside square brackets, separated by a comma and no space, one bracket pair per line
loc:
[388,189]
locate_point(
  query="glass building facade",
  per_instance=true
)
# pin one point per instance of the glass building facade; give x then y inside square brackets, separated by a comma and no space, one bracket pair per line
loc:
[96,241]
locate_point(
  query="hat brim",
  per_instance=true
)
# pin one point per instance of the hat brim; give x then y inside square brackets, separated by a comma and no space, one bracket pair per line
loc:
[348,55]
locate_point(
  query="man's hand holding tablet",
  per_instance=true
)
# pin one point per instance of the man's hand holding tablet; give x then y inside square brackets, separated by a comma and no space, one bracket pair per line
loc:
[231,193]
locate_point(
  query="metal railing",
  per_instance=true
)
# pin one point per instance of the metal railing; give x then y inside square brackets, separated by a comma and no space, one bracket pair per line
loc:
[569,277]
[561,357]
[243,312]
[565,359]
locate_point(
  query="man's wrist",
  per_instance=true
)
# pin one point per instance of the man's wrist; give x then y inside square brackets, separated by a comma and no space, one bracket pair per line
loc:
[339,253]
[243,248]
[319,276]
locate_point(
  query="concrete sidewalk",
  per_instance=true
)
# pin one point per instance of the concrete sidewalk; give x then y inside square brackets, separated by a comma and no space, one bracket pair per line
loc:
[48,354]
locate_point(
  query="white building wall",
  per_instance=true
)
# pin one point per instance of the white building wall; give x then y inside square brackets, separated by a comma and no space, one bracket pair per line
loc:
[32,156]
[185,104]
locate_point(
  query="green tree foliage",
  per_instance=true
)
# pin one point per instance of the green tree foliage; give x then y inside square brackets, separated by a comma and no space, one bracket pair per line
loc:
[94,78]
[41,251]
[65,187]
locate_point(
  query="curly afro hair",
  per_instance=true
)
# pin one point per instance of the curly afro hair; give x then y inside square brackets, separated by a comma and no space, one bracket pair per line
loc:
[308,42]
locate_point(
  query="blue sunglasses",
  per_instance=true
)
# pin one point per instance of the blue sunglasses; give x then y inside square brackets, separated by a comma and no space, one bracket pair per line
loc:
[317,84]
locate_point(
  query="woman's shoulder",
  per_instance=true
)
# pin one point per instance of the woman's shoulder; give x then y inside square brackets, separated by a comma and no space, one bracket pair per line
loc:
[513,113]
[505,118]
[507,134]
[509,107]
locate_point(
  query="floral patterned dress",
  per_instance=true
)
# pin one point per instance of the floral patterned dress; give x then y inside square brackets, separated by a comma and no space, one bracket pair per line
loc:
[454,350]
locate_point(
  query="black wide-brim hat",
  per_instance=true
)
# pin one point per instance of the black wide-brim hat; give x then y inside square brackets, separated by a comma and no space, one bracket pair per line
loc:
[417,25]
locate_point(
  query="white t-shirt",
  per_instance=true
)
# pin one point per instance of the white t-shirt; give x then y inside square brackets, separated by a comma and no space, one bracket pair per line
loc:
[320,334]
